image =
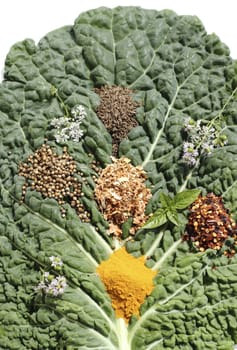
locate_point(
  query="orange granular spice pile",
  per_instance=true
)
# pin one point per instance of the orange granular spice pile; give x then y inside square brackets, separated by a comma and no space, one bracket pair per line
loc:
[128,282]
[121,194]
[209,224]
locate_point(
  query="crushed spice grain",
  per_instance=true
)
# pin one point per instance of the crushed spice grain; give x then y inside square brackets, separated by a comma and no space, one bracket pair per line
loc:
[55,177]
[128,282]
[209,224]
[117,110]
[121,194]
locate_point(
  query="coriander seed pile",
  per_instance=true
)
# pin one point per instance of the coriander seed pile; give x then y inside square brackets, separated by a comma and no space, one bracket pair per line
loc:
[117,110]
[54,176]
[209,224]
[121,194]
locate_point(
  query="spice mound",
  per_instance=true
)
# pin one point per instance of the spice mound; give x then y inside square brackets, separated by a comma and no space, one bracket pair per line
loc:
[54,176]
[128,282]
[209,224]
[117,110]
[122,194]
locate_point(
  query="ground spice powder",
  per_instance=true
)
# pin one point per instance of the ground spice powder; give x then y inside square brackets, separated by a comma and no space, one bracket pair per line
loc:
[128,282]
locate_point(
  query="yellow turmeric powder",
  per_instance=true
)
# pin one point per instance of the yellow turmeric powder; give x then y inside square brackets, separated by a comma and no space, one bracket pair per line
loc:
[128,281]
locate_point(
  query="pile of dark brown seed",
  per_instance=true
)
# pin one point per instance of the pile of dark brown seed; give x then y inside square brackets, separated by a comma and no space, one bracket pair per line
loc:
[117,110]
[54,176]
[209,224]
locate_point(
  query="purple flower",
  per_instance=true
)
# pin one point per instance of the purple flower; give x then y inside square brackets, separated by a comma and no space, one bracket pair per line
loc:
[203,137]
[207,148]
[190,154]
[189,124]
[57,286]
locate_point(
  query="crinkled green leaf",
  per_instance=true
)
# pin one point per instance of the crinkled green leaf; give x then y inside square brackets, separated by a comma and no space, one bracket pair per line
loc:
[177,70]
[166,201]
[172,215]
[185,198]
[159,218]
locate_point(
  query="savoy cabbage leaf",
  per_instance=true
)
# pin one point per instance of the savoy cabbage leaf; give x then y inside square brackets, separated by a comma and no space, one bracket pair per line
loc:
[177,70]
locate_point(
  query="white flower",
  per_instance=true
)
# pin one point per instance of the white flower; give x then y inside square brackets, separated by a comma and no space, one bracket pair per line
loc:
[207,148]
[69,128]
[190,154]
[62,136]
[75,132]
[46,276]
[56,261]
[57,286]
[78,113]
[189,124]
[52,285]
[59,122]
[41,286]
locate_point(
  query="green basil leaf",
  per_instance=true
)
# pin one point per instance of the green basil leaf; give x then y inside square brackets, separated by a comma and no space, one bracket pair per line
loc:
[172,215]
[183,199]
[166,201]
[159,218]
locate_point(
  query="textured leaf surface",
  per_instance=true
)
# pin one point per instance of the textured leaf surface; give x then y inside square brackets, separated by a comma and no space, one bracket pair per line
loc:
[177,70]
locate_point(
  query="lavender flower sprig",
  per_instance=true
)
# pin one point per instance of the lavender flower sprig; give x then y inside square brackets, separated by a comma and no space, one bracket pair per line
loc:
[203,137]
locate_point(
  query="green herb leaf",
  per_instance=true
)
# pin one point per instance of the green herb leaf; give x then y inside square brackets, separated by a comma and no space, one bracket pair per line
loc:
[172,215]
[166,201]
[159,218]
[183,199]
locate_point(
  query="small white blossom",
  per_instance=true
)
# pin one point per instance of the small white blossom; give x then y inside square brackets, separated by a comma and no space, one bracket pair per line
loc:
[75,132]
[59,122]
[78,113]
[47,277]
[53,286]
[50,284]
[56,262]
[69,128]
[207,148]
[189,124]
[62,135]
[190,154]
[57,286]
[41,286]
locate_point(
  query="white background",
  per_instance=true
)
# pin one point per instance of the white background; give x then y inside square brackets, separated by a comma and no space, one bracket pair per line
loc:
[21,19]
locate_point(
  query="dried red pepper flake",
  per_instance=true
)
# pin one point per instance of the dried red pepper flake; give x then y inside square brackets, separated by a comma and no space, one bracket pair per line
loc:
[209,224]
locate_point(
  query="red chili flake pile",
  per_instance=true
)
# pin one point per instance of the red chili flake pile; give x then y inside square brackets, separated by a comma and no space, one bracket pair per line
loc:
[209,224]
[121,194]
[117,110]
